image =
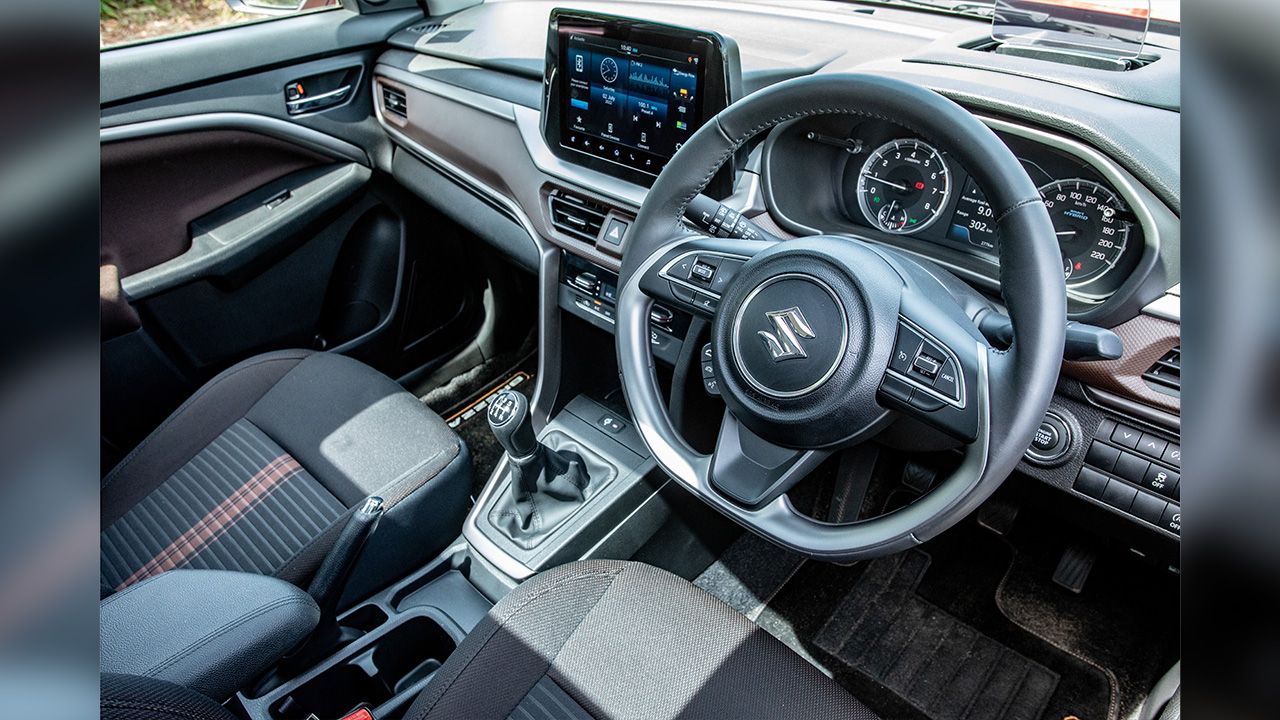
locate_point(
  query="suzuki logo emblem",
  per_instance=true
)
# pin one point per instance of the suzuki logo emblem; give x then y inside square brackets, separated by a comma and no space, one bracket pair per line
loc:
[788,327]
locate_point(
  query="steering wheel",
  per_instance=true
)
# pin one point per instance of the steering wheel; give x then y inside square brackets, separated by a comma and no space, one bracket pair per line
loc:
[820,343]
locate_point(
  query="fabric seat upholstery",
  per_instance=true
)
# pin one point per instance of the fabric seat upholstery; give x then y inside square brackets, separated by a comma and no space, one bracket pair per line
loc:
[607,639]
[259,469]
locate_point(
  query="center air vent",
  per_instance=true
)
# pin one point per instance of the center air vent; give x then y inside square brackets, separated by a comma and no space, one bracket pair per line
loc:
[576,215]
[1166,374]
[395,102]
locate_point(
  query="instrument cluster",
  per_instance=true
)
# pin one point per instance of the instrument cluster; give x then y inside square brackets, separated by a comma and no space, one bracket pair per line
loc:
[888,184]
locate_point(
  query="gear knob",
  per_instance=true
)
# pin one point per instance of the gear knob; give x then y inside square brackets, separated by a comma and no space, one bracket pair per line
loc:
[511,425]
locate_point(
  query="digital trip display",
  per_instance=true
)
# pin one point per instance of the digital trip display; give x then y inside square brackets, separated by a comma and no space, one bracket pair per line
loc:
[973,221]
[626,102]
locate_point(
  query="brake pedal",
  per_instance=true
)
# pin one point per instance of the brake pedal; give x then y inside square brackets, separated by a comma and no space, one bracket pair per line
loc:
[1073,568]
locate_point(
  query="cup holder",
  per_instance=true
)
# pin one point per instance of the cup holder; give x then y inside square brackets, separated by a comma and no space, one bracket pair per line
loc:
[376,673]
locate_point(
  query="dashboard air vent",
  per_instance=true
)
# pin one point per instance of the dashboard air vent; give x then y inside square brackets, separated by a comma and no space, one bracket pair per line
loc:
[395,102]
[576,215]
[1166,374]
[427,27]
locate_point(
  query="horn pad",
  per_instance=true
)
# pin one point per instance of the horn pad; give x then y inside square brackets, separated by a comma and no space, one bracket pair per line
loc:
[802,339]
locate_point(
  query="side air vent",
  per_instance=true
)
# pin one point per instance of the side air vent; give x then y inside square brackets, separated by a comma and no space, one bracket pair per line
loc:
[576,215]
[1166,374]
[395,102]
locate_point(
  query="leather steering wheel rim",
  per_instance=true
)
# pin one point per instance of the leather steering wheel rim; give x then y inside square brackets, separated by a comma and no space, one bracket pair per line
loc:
[1013,386]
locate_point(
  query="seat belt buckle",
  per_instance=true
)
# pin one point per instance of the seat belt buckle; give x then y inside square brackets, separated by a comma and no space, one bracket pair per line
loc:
[361,714]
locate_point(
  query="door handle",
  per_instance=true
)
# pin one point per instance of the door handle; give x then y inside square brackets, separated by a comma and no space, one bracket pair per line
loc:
[312,103]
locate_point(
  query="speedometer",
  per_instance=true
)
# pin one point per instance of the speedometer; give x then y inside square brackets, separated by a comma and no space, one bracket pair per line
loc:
[1091,226]
[903,186]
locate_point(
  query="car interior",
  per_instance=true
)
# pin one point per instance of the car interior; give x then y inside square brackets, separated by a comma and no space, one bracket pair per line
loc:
[643,359]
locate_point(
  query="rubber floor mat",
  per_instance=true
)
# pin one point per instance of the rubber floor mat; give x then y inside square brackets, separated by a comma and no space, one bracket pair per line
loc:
[942,666]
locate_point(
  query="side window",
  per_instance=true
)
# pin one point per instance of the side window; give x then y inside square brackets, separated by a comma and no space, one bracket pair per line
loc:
[128,21]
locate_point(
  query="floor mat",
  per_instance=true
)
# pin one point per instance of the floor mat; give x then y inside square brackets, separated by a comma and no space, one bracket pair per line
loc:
[944,667]
[749,573]
[919,635]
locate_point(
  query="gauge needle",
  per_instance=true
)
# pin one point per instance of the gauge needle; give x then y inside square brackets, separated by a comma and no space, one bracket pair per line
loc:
[886,182]
[1066,232]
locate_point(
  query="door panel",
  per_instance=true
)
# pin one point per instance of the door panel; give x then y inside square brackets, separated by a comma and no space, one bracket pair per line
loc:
[235,222]
[154,187]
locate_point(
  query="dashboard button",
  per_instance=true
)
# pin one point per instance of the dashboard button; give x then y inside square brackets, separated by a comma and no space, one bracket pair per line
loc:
[1162,480]
[1148,507]
[1151,445]
[615,231]
[1102,456]
[1171,520]
[1118,495]
[1046,438]
[948,380]
[905,349]
[1131,467]
[1172,454]
[1091,482]
[1126,436]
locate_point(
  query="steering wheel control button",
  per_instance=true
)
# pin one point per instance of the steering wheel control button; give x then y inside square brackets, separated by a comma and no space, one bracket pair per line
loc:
[1119,495]
[905,349]
[1171,520]
[1091,482]
[926,402]
[707,361]
[926,365]
[702,271]
[1148,507]
[896,390]
[948,380]
[1102,456]
[1126,436]
[1172,454]
[707,354]
[789,335]
[712,386]
[1162,480]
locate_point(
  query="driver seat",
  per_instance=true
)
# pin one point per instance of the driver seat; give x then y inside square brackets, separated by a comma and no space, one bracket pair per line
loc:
[608,639]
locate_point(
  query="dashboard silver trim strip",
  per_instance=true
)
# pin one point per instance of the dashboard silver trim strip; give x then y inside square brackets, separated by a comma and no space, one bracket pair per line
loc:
[252,122]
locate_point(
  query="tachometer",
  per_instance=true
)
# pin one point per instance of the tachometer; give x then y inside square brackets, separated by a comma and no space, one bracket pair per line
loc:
[903,186]
[1091,226]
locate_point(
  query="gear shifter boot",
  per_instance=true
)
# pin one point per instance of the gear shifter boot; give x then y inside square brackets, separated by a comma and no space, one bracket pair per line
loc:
[547,488]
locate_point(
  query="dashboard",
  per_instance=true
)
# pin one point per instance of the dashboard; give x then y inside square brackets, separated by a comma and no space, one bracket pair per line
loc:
[1103,149]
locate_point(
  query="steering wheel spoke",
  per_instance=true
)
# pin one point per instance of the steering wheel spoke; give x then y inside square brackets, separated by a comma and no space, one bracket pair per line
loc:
[753,471]
[693,273]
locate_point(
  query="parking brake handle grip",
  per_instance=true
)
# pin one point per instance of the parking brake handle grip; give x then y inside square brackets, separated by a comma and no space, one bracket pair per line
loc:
[331,579]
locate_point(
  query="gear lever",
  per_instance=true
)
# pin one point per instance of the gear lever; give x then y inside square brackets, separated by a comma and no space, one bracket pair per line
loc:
[511,425]
[547,485]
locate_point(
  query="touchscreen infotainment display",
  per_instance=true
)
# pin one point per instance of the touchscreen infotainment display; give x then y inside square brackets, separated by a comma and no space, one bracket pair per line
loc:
[623,95]
[626,102]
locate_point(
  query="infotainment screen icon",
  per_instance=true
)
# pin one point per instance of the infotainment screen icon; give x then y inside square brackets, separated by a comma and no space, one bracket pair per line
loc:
[624,95]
